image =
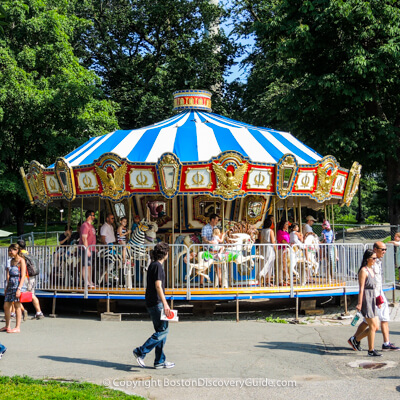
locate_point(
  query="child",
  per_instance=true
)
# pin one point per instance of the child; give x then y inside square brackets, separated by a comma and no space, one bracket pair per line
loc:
[136,222]
[216,241]
[122,234]
[295,236]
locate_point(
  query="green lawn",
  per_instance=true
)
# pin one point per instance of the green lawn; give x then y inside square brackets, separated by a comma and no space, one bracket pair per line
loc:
[18,387]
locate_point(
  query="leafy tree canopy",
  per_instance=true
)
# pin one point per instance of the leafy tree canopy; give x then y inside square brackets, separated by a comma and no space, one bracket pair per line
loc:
[49,103]
[328,71]
[144,50]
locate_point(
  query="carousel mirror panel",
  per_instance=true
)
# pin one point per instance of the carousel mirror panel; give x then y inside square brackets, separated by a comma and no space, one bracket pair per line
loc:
[204,206]
[254,207]
[159,209]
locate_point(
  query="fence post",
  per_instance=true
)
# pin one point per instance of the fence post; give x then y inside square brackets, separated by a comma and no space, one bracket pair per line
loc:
[344,232]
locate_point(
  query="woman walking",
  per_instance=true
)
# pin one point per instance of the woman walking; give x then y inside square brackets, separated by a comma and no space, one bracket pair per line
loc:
[367,300]
[15,281]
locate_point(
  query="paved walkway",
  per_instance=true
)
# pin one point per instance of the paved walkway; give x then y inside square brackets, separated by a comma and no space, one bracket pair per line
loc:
[213,359]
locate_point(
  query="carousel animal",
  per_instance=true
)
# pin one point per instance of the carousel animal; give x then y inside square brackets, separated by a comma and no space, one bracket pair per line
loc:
[304,258]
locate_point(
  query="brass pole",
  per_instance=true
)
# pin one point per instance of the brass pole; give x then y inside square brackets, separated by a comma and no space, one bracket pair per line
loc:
[82,210]
[130,214]
[45,233]
[301,222]
[173,236]
[286,211]
[98,219]
[294,209]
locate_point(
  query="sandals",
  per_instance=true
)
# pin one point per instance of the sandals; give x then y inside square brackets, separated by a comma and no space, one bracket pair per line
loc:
[15,330]
[4,329]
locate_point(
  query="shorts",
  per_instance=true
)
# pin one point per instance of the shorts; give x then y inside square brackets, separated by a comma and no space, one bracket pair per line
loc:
[31,284]
[383,313]
[89,258]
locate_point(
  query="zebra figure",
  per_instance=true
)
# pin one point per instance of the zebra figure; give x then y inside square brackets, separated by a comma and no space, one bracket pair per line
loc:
[137,250]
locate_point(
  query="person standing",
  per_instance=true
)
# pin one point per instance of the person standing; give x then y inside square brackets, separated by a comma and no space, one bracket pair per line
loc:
[379,249]
[87,239]
[107,230]
[15,281]
[207,231]
[307,227]
[31,284]
[267,237]
[155,303]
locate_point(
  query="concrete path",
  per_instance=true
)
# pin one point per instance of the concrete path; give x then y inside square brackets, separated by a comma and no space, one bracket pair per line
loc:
[214,360]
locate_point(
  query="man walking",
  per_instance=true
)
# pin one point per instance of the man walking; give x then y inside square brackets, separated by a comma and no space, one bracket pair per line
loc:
[382,311]
[31,285]
[155,303]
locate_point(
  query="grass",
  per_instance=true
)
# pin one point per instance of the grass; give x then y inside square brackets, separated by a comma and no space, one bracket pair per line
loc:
[22,387]
[276,320]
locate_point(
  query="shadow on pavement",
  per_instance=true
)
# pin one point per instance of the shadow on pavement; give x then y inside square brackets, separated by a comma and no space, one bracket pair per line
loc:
[305,348]
[99,363]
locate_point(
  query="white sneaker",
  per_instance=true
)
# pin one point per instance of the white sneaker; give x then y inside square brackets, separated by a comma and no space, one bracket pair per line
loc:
[139,359]
[165,364]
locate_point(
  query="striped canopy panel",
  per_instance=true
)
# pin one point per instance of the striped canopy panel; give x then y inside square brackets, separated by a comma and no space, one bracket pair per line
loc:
[194,136]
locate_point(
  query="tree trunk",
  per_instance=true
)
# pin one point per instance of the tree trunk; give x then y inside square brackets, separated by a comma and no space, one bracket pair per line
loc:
[393,184]
[19,212]
[360,216]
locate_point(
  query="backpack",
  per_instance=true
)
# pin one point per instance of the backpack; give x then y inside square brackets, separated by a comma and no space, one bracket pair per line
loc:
[32,265]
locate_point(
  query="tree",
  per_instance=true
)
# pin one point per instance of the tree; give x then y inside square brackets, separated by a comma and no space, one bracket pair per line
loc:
[328,71]
[144,50]
[49,103]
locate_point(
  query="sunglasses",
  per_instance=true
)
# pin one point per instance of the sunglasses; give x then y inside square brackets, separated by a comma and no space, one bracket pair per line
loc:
[381,248]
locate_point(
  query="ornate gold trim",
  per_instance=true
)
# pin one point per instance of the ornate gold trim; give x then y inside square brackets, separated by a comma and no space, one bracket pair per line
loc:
[229,184]
[325,181]
[89,189]
[352,183]
[337,190]
[143,179]
[62,170]
[284,182]
[261,178]
[169,161]
[28,190]
[199,177]
[36,183]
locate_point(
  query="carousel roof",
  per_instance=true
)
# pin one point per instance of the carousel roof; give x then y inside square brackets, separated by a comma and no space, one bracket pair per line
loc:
[194,135]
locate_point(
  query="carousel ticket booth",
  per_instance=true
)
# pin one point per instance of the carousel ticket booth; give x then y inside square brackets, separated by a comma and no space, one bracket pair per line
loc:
[174,175]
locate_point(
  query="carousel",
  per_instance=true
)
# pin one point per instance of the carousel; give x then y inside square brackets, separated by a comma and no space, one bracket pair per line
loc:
[174,175]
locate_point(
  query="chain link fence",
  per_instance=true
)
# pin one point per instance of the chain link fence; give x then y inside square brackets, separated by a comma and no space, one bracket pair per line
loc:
[34,238]
[348,233]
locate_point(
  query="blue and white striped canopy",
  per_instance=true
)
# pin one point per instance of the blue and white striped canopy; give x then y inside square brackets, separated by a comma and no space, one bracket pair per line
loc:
[194,136]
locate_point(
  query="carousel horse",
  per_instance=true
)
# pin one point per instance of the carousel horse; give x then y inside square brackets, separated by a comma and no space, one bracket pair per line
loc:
[304,258]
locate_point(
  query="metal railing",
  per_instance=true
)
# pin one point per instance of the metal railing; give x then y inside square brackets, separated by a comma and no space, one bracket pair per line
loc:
[258,267]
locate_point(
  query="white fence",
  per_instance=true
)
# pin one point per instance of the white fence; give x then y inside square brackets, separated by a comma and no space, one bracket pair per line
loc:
[256,268]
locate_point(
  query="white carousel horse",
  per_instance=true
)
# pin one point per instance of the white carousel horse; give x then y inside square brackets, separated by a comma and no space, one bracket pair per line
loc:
[305,258]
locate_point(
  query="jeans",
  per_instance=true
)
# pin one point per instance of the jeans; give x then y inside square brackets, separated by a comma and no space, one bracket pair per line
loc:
[158,338]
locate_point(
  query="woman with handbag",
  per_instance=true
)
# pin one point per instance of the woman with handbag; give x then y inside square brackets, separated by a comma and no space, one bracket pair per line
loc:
[15,279]
[367,300]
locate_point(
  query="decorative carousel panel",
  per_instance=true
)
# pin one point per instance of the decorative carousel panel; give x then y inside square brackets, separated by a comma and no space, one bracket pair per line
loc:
[339,184]
[112,172]
[192,99]
[352,183]
[65,178]
[87,181]
[52,186]
[326,171]
[28,190]
[197,179]
[286,175]
[254,208]
[260,179]
[142,179]
[305,181]
[158,208]
[168,174]
[230,169]
[35,178]
[204,206]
